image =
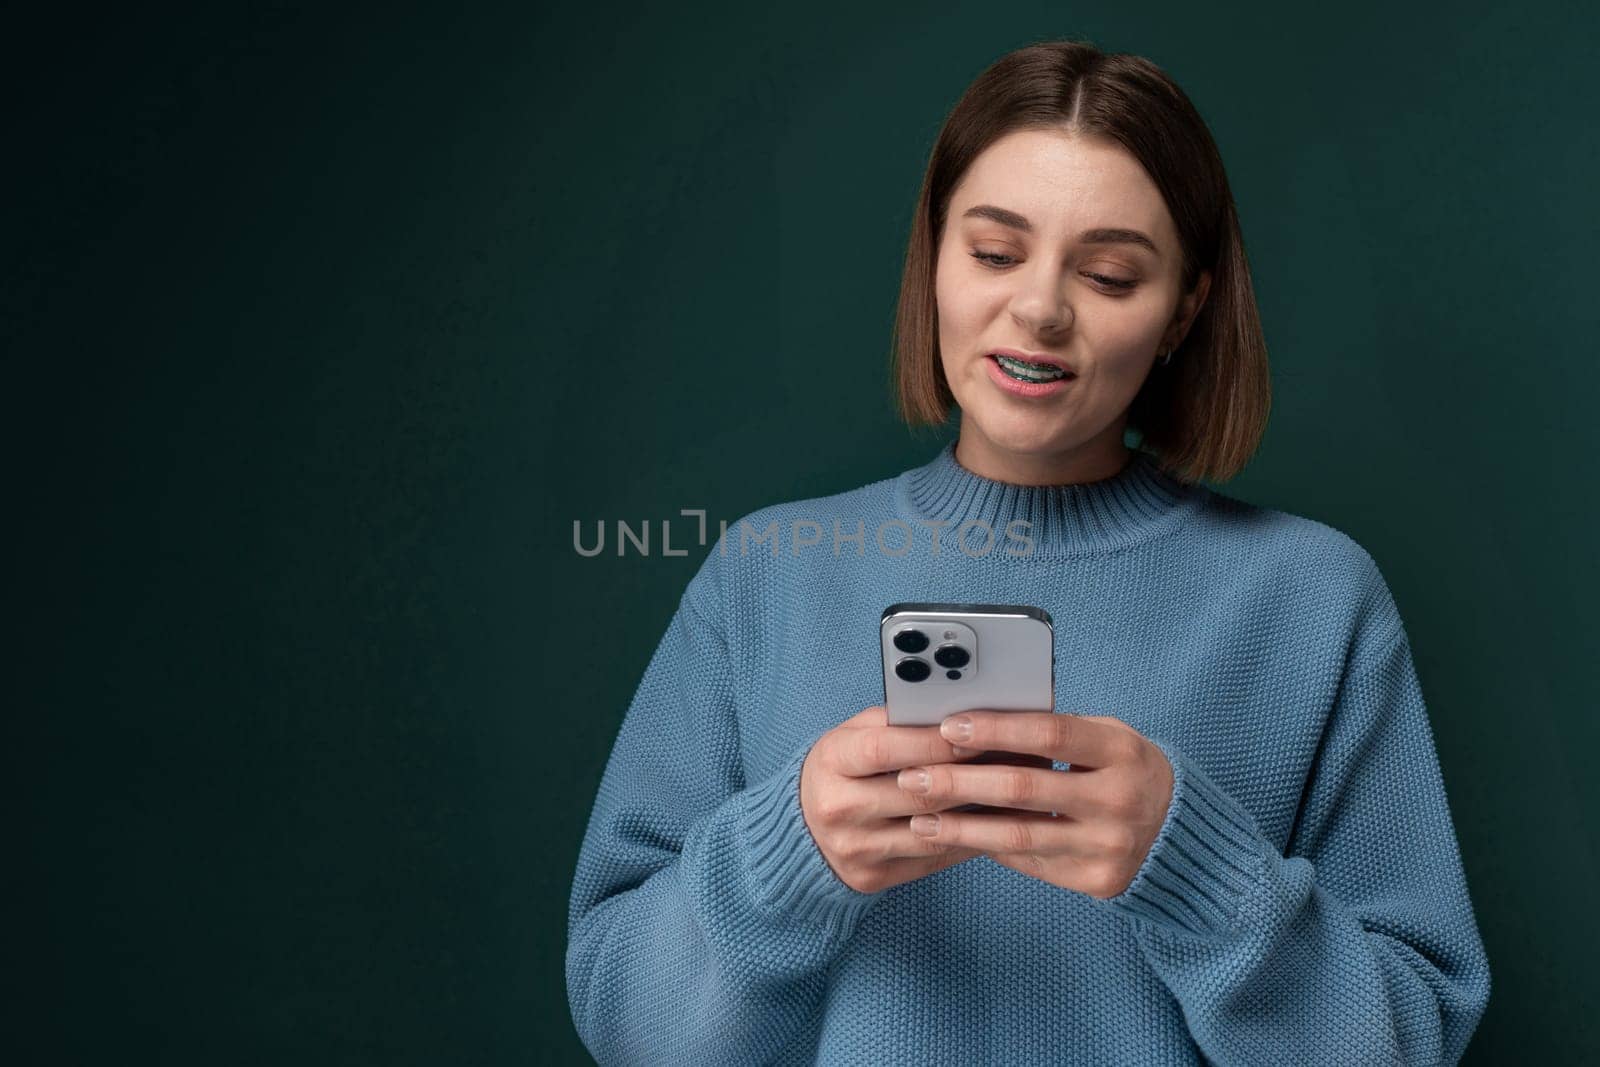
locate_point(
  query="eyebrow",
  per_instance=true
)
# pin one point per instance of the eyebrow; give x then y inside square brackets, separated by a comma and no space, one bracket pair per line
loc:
[1100,236]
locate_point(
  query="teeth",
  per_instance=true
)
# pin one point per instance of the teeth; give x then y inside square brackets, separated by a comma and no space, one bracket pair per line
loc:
[1033,372]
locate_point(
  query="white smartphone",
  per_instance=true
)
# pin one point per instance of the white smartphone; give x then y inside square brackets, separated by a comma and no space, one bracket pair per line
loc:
[939,659]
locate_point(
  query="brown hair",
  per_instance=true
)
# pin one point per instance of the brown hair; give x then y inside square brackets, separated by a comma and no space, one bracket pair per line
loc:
[1203,415]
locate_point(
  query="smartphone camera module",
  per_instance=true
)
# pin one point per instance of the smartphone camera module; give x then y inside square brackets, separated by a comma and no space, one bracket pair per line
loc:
[929,662]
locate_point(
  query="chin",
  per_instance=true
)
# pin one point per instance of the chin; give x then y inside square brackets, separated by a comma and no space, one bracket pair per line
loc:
[1021,425]
[1024,434]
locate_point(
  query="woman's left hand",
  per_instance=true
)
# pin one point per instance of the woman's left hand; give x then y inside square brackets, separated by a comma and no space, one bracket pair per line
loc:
[1111,804]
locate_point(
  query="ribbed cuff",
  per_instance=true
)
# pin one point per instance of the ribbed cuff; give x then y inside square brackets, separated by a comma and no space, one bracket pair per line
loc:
[788,874]
[1208,856]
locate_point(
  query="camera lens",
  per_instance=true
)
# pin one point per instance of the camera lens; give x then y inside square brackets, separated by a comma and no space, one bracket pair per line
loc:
[951,656]
[911,640]
[913,670]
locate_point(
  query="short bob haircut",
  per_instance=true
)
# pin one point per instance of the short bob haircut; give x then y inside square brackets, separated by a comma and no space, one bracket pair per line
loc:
[1203,415]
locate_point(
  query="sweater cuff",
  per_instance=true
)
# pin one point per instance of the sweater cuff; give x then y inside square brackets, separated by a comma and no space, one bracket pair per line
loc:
[1207,858]
[788,874]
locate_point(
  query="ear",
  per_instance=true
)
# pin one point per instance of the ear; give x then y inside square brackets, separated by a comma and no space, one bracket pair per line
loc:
[1189,307]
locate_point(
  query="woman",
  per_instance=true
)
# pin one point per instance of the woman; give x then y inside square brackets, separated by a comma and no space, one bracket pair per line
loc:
[1253,861]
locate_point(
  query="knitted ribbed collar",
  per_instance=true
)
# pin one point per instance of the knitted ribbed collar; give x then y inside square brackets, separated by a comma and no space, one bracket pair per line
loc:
[1139,501]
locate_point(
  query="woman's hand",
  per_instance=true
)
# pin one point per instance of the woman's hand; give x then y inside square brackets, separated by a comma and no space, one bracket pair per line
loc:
[858,815]
[1111,804]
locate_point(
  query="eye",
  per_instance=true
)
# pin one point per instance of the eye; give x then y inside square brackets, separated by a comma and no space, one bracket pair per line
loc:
[997,261]
[989,259]
[1115,283]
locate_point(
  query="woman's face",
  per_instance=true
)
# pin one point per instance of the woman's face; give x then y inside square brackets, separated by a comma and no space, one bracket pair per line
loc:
[1050,284]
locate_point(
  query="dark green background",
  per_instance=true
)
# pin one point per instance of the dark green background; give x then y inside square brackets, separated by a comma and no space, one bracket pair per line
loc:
[322,327]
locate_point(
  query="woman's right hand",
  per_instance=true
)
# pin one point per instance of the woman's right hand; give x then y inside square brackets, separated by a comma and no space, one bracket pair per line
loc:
[857,814]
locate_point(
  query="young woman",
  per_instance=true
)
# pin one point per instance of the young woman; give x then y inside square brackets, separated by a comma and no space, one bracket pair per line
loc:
[1240,851]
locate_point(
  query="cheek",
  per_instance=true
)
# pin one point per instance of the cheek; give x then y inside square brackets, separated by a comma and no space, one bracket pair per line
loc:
[945,295]
[962,308]
[1142,320]
[1125,336]
[953,319]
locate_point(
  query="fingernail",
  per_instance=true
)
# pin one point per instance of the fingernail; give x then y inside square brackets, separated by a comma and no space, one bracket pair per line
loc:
[925,825]
[958,750]
[913,780]
[956,728]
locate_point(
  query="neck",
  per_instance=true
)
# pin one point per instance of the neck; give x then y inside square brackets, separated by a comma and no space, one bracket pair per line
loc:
[1092,461]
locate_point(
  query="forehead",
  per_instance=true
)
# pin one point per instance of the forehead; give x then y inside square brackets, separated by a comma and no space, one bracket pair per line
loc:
[1064,184]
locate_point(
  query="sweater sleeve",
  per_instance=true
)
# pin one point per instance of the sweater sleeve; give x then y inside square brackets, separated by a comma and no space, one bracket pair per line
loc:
[702,916]
[1359,944]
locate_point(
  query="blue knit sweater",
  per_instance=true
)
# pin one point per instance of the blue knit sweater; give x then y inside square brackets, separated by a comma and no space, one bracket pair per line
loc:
[1304,903]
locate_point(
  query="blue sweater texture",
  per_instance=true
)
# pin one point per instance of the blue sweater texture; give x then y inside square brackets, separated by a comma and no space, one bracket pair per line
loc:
[1304,903]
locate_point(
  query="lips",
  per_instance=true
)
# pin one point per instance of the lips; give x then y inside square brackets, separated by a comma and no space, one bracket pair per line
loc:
[1034,357]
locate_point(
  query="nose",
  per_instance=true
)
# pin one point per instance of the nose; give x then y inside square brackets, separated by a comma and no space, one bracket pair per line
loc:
[1040,304]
